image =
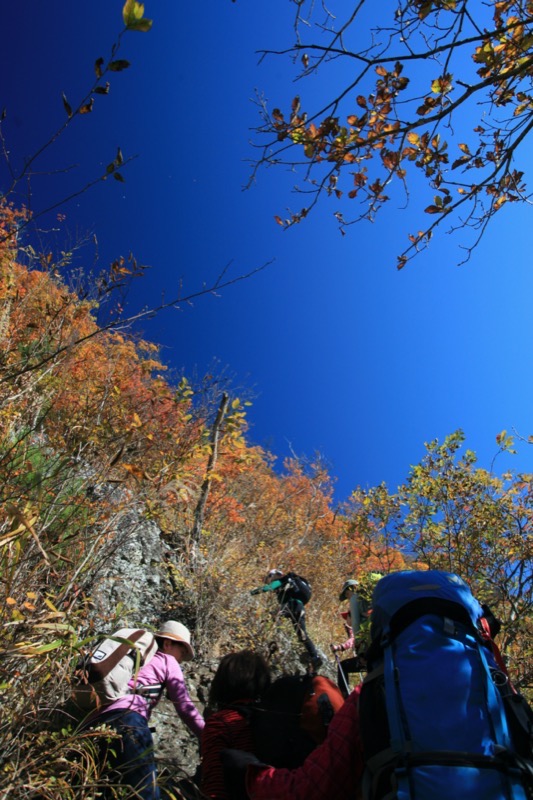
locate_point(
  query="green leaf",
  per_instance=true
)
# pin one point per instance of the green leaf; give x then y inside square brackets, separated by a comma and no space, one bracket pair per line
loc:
[143,25]
[118,177]
[102,89]
[133,16]
[132,11]
[30,650]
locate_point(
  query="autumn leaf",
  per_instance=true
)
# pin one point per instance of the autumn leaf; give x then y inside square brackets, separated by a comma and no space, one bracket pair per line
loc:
[133,470]
[118,65]
[88,107]
[67,106]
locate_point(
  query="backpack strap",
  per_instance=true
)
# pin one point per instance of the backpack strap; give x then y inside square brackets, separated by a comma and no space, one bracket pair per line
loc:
[151,692]
[98,671]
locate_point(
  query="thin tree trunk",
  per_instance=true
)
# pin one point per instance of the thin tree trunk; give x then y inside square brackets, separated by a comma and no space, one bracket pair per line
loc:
[204,491]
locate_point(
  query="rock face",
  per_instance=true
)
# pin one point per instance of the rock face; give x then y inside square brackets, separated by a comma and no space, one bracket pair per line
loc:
[134,578]
[131,577]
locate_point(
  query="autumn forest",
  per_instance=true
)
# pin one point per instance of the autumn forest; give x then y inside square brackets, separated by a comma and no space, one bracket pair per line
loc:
[93,427]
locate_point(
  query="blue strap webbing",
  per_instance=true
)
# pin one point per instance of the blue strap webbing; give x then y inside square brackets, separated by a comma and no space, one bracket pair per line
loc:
[397,734]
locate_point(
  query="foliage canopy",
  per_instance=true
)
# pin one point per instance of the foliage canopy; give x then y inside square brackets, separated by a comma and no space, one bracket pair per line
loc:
[442,90]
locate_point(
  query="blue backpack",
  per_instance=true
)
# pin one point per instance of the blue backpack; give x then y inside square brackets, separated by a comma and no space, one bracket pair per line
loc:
[434,724]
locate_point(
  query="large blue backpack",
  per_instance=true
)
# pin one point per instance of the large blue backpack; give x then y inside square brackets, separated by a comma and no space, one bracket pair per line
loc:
[434,724]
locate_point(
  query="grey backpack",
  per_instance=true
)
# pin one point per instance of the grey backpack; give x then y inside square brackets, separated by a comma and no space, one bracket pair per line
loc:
[104,674]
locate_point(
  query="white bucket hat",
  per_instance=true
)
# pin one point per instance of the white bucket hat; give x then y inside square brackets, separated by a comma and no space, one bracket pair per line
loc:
[179,633]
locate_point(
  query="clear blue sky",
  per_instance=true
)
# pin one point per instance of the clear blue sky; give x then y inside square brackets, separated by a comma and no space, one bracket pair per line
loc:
[345,355]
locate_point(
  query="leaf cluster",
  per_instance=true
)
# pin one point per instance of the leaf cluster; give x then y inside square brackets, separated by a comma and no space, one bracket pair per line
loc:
[443,92]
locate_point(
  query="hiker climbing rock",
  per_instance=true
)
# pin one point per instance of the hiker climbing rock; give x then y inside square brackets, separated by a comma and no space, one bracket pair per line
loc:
[431,721]
[356,618]
[133,757]
[240,681]
[293,593]
[351,665]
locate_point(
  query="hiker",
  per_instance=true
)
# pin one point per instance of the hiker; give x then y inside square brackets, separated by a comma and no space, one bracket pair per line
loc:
[240,680]
[292,592]
[358,594]
[333,770]
[133,758]
[431,720]
[347,666]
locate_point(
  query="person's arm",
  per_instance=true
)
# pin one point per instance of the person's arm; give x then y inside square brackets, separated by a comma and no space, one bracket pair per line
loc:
[177,693]
[332,770]
[214,739]
[347,645]
[268,587]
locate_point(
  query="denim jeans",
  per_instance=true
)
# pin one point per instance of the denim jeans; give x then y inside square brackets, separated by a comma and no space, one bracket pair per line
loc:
[133,757]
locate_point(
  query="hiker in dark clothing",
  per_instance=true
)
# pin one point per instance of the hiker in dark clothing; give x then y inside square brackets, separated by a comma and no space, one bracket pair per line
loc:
[240,680]
[292,592]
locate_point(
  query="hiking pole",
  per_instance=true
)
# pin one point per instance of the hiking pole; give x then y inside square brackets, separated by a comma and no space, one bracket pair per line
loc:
[341,672]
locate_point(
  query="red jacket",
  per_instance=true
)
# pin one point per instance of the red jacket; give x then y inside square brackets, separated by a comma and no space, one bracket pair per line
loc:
[225,728]
[333,770]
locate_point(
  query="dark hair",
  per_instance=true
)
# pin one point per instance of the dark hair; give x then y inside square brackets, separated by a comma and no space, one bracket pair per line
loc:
[160,639]
[240,676]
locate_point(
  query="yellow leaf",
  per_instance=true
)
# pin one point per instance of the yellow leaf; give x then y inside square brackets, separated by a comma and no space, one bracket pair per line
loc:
[52,607]
[413,137]
[11,601]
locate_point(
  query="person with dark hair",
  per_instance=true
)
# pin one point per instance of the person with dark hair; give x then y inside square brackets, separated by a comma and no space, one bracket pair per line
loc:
[293,592]
[241,679]
[133,756]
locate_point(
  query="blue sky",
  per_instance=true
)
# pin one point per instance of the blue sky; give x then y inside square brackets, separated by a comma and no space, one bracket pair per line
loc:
[344,355]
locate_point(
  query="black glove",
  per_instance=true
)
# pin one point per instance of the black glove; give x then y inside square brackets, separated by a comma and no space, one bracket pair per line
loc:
[238,759]
[235,763]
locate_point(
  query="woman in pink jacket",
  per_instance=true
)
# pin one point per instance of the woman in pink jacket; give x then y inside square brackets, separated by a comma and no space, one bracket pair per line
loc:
[133,757]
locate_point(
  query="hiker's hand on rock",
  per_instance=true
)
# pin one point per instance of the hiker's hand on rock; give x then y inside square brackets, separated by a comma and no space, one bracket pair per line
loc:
[239,759]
